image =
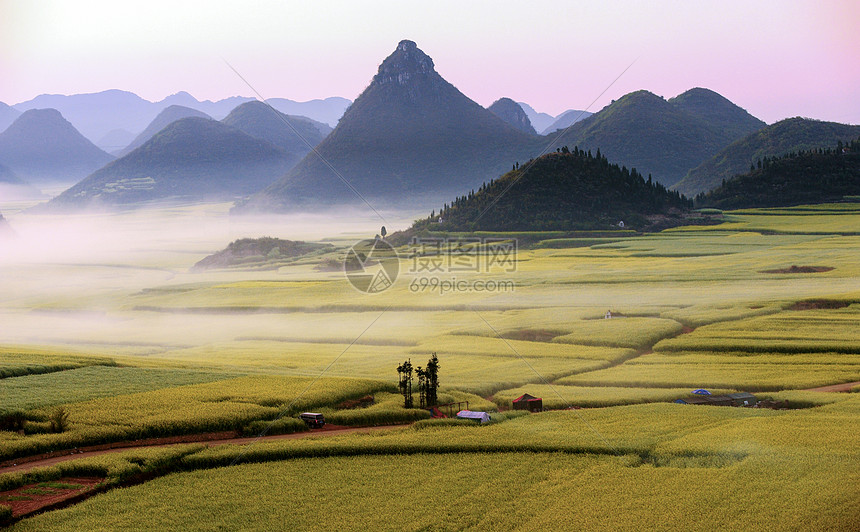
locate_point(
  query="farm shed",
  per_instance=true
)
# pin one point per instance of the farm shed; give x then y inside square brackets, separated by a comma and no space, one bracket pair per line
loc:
[479,417]
[713,400]
[528,402]
[742,399]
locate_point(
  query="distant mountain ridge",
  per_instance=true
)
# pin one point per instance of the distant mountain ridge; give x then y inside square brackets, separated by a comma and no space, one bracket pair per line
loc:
[566,119]
[539,121]
[410,134]
[785,136]
[665,139]
[327,110]
[94,115]
[192,159]
[42,147]
[97,114]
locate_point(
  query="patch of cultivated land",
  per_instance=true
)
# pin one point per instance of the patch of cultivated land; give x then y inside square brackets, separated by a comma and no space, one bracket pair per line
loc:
[718,307]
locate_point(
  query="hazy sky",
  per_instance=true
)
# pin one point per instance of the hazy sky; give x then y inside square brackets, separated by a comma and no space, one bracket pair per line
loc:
[775,58]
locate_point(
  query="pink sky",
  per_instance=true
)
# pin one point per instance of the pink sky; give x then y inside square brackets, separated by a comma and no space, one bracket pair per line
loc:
[777,59]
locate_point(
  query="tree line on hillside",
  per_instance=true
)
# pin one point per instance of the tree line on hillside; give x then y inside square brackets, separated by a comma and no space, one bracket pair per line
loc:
[800,177]
[566,190]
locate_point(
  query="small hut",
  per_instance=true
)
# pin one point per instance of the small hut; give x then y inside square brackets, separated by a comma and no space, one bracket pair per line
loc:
[528,402]
[742,399]
[478,417]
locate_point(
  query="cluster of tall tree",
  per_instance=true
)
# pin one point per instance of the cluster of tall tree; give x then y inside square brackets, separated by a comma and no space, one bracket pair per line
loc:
[428,382]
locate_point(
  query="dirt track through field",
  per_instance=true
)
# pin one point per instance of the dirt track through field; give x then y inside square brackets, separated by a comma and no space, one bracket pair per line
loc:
[844,387]
[205,439]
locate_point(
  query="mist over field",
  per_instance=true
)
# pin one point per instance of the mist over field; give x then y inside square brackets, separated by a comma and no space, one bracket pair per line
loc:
[600,276]
[64,277]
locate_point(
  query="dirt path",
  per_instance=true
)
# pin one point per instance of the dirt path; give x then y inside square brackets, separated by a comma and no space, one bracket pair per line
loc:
[844,387]
[33,498]
[74,454]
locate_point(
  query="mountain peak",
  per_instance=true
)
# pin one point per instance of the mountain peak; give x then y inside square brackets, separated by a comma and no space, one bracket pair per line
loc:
[409,135]
[512,113]
[41,146]
[407,60]
[407,45]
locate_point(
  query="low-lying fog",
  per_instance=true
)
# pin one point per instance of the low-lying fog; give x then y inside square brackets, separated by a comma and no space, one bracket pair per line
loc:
[67,275]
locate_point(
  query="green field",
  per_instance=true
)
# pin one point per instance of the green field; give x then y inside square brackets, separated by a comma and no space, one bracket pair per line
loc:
[133,345]
[644,458]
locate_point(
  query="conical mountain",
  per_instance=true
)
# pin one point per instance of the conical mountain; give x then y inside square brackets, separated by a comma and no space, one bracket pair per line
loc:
[785,136]
[409,137]
[192,159]
[43,147]
[259,120]
[511,112]
[644,131]
[718,111]
[169,115]
[95,114]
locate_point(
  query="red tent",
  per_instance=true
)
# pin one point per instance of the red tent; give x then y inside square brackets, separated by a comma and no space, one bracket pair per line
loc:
[528,402]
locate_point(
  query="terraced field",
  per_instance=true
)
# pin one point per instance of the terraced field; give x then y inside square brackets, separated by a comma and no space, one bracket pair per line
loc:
[159,351]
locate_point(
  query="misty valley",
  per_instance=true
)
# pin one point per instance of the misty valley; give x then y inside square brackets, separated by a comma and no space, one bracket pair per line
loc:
[409,311]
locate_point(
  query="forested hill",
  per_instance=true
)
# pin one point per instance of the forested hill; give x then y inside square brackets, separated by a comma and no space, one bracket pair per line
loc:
[566,190]
[775,140]
[814,176]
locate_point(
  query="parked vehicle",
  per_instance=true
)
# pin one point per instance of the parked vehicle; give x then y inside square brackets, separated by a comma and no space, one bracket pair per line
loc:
[312,419]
